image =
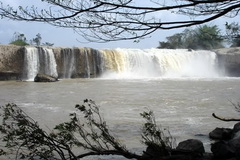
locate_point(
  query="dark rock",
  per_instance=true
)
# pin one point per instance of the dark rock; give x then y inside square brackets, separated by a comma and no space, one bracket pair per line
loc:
[45,78]
[154,151]
[236,127]
[5,76]
[221,134]
[222,151]
[192,145]
[234,144]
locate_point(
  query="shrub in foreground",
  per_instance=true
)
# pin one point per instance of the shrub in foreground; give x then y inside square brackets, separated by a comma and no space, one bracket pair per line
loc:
[23,137]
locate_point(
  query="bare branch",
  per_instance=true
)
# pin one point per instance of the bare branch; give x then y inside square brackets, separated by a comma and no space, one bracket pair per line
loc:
[225,119]
[113,20]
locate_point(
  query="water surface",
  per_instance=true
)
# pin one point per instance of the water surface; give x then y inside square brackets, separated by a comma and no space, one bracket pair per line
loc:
[182,105]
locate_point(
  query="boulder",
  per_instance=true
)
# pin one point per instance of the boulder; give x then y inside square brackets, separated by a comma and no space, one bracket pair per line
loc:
[221,134]
[191,145]
[228,146]
[222,151]
[234,144]
[45,78]
[236,127]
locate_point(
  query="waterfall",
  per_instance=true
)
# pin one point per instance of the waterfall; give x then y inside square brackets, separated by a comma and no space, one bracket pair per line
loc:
[97,62]
[80,63]
[86,64]
[38,60]
[31,63]
[119,63]
[148,63]
[69,65]
[47,62]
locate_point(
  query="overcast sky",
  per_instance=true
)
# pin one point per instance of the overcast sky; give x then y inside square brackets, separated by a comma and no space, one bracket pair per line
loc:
[67,38]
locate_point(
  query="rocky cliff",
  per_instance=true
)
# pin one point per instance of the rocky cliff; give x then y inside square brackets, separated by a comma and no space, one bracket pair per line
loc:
[11,62]
[229,60]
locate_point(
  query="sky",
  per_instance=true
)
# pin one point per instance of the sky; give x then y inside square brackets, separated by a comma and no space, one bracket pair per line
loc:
[67,38]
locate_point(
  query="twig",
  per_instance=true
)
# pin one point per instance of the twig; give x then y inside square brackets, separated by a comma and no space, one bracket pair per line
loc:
[225,119]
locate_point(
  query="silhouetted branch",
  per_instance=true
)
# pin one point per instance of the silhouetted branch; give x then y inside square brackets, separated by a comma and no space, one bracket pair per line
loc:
[113,20]
[224,119]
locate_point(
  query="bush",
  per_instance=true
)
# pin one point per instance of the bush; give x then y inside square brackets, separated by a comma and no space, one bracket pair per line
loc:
[86,129]
[19,43]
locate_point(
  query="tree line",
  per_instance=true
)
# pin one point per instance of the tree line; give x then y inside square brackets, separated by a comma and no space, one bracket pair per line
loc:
[21,40]
[204,37]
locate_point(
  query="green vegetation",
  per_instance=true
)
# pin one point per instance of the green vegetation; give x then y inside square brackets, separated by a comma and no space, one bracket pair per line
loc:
[19,43]
[86,129]
[203,37]
[233,34]
[85,134]
[19,39]
[37,40]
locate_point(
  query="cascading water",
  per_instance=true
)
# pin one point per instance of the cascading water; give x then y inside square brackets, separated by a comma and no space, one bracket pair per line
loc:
[31,63]
[47,62]
[69,65]
[38,60]
[86,64]
[120,63]
[80,63]
[137,63]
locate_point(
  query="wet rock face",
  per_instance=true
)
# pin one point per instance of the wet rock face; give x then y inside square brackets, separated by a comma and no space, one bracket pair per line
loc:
[6,76]
[11,62]
[229,60]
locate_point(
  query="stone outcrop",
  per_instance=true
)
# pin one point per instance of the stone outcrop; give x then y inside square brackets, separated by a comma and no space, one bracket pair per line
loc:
[11,62]
[227,145]
[229,60]
[192,145]
[221,133]
[45,78]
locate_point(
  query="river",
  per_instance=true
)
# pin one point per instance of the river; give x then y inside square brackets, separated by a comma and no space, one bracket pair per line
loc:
[183,105]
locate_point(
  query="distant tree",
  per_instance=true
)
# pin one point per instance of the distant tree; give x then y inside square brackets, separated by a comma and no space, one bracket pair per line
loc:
[166,45]
[19,39]
[48,44]
[37,40]
[112,20]
[208,37]
[203,37]
[189,38]
[233,34]
[176,41]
